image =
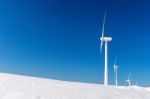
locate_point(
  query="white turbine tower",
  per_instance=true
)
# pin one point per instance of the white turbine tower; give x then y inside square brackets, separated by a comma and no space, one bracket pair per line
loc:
[128,80]
[106,40]
[116,72]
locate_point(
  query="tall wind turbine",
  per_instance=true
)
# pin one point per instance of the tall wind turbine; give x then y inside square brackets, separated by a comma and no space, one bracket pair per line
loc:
[116,72]
[106,40]
[128,80]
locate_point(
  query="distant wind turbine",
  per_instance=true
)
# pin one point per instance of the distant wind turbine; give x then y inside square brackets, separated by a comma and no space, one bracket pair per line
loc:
[116,72]
[106,40]
[136,83]
[128,80]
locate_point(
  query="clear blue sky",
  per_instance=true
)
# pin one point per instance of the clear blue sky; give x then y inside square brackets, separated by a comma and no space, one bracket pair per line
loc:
[59,39]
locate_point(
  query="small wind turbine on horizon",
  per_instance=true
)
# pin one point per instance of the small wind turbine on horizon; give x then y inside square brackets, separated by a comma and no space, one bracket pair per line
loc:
[116,72]
[136,83]
[106,40]
[128,80]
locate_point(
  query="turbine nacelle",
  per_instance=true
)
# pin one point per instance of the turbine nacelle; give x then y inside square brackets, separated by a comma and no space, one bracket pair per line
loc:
[116,66]
[128,80]
[106,39]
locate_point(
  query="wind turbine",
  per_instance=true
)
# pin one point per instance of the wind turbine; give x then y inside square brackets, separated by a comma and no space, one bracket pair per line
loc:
[128,80]
[116,72]
[136,83]
[106,40]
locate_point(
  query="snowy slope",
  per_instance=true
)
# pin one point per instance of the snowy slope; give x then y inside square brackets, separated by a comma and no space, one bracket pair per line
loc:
[23,87]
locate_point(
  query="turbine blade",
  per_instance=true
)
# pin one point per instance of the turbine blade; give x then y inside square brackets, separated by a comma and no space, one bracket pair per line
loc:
[129,76]
[115,60]
[103,30]
[115,66]
[114,70]
[101,46]
[103,27]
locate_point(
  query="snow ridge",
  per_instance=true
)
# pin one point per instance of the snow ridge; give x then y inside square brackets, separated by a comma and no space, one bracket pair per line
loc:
[23,87]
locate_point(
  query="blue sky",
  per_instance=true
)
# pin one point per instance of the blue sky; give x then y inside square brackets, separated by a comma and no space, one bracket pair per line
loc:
[59,39]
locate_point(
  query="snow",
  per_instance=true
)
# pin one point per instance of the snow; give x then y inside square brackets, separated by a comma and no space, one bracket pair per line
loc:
[23,87]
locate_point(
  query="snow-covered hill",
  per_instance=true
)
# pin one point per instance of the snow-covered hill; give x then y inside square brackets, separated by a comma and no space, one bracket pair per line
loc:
[23,87]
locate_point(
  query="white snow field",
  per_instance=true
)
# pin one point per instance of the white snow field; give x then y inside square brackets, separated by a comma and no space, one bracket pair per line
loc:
[23,87]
